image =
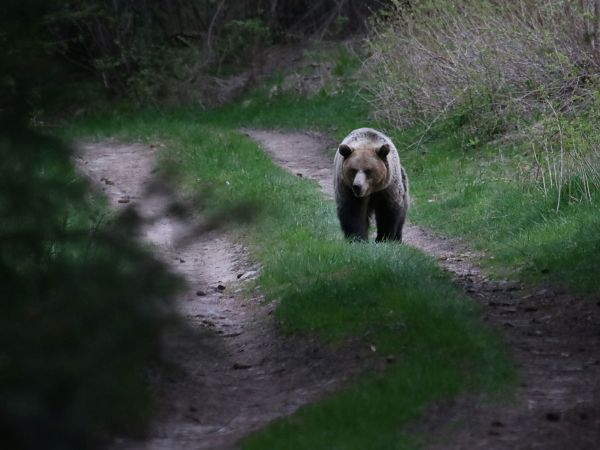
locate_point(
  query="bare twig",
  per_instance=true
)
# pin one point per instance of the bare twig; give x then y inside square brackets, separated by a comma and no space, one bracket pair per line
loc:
[435,119]
[562,154]
[209,34]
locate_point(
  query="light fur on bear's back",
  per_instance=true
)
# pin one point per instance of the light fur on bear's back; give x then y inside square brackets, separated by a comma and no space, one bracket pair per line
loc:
[364,138]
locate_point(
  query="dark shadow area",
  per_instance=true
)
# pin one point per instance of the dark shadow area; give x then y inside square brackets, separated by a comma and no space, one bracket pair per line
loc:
[83,306]
[81,56]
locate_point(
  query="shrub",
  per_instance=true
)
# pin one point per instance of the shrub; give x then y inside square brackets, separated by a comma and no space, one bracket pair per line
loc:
[566,157]
[498,61]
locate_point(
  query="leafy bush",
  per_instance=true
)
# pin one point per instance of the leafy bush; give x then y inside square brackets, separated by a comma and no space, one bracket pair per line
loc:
[241,39]
[83,306]
[499,62]
[134,49]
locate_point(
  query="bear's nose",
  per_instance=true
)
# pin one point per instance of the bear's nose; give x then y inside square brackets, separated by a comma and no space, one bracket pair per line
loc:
[356,188]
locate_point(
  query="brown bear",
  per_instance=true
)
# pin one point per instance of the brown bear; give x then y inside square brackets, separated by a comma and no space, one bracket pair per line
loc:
[368,178]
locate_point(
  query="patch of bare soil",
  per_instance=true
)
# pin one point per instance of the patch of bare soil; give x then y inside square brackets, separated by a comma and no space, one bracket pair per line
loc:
[230,372]
[553,337]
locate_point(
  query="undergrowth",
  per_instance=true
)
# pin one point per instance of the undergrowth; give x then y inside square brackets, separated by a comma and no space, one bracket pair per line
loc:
[486,195]
[504,62]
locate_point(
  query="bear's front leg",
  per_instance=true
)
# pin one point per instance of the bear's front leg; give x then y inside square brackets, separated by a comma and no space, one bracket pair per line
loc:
[390,216]
[354,218]
[389,226]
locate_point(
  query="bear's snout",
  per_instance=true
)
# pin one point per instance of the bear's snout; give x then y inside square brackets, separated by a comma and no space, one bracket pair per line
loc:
[359,185]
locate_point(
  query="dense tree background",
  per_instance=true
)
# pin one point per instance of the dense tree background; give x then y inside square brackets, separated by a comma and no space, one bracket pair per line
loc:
[134,48]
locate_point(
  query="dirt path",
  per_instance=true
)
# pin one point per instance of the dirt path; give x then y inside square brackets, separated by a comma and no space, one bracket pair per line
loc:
[230,371]
[554,338]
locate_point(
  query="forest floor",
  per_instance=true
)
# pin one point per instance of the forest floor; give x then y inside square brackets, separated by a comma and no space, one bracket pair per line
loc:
[231,372]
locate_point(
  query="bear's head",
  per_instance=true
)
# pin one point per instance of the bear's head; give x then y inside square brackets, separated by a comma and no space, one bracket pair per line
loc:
[365,168]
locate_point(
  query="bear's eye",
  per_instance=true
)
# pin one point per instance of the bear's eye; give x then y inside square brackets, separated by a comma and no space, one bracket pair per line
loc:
[368,172]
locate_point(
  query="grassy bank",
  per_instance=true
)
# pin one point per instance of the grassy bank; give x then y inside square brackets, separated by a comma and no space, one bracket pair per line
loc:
[388,296]
[481,195]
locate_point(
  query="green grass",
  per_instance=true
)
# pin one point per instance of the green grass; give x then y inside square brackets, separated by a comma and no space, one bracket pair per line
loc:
[474,193]
[369,415]
[386,295]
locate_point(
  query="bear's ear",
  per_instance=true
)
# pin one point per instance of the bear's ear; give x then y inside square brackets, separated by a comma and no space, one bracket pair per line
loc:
[345,150]
[383,151]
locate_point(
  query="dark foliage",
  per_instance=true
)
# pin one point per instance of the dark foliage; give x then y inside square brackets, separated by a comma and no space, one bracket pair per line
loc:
[127,45]
[82,306]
